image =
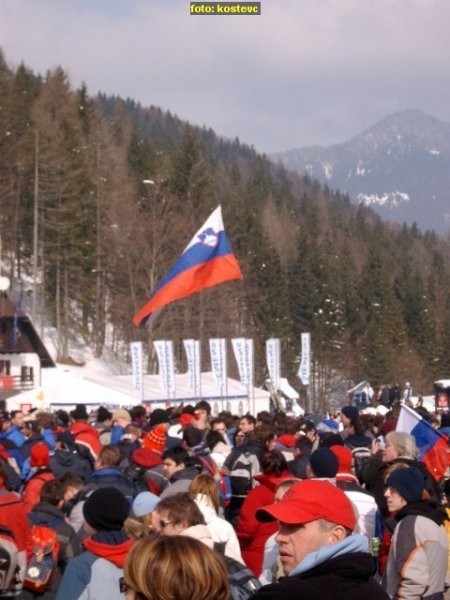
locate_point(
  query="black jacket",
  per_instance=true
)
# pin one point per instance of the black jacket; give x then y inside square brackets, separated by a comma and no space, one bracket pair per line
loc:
[346,577]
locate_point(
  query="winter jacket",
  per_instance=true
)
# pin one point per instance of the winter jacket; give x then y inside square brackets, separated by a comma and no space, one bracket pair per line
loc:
[374,473]
[110,477]
[253,534]
[15,435]
[199,532]
[330,573]
[95,573]
[63,461]
[31,494]
[150,474]
[87,436]
[222,533]
[50,516]
[180,481]
[106,477]
[241,478]
[14,517]
[365,505]
[417,561]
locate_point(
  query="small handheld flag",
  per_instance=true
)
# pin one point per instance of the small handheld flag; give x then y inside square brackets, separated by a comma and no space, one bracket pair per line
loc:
[206,261]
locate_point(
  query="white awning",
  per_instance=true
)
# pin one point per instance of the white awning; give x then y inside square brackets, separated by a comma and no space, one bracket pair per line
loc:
[287,390]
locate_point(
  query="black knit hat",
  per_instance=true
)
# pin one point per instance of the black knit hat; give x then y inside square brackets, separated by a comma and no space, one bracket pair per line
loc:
[349,411]
[80,413]
[409,483]
[158,417]
[324,463]
[106,509]
[103,414]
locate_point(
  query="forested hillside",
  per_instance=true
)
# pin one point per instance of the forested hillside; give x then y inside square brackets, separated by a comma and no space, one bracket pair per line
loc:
[99,196]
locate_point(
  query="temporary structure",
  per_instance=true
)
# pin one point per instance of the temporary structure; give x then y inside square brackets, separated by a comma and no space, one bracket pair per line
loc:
[63,389]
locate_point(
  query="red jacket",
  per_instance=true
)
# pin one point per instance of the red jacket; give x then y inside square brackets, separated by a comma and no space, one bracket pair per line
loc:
[87,436]
[14,517]
[31,494]
[251,533]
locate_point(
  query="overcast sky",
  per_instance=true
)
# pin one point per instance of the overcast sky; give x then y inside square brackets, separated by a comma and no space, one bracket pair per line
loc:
[305,72]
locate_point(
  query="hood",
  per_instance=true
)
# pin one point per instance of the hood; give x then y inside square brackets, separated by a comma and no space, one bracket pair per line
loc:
[354,543]
[78,428]
[65,458]
[110,545]
[288,440]
[144,457]
[201,533]
[206,507]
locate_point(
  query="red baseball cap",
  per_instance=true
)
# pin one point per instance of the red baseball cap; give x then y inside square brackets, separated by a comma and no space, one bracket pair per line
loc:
[310,500]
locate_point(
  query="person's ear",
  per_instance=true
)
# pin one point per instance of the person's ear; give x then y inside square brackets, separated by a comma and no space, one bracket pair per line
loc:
[337,534]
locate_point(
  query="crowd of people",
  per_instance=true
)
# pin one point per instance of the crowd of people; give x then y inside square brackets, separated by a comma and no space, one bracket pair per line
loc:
[180,504]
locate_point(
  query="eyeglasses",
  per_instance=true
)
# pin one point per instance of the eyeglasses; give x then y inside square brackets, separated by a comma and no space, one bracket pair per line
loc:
[163,524]
[124,588]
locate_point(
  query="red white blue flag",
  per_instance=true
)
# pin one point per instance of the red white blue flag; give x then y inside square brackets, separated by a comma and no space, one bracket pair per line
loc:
[432,445]
[206,261]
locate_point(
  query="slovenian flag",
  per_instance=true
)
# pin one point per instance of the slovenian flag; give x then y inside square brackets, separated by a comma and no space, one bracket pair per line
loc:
[206,261]
[432,445]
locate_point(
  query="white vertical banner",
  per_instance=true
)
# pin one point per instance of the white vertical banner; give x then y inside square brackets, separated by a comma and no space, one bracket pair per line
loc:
[136,366]
[273,360]
[218,353]
[243,353]
[304,369]
[164,350]
[192,349]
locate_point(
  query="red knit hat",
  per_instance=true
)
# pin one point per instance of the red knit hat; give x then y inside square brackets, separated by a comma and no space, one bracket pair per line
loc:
[39,455]
[156,439]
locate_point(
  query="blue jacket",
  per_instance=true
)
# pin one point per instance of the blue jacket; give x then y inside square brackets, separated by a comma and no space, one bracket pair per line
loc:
[95,574]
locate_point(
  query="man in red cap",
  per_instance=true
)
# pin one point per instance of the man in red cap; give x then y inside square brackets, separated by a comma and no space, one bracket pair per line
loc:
[319,552]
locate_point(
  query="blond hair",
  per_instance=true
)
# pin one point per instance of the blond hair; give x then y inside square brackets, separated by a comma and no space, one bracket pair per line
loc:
[404,443]
[205,484]
[175,568]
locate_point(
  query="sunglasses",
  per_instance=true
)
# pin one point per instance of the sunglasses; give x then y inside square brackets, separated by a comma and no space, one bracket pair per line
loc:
[163,524]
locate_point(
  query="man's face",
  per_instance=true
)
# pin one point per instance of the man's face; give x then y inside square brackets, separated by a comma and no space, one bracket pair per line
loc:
[296,541]
[18,420]
[311,435]
[170,467]
[245,426]
[201,418]
[393,500]
[220,427]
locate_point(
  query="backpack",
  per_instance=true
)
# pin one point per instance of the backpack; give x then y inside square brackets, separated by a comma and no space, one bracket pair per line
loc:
[243,583]
[241,473]
[42,564]
[9,568]
[360,456]
[223,480]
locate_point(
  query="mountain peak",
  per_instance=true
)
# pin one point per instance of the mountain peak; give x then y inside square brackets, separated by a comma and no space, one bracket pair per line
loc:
[399,166]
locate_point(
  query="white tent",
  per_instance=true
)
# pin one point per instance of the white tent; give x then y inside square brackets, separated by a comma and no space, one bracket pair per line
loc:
[64,389]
